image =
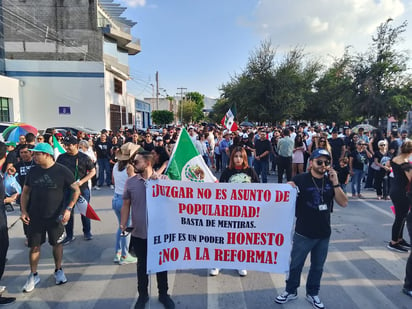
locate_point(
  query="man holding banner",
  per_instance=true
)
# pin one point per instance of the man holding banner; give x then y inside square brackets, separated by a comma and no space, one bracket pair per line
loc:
[317,190]
[134,198]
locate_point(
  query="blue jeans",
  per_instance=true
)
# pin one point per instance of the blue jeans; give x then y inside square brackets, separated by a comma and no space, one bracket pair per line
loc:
[85,221]
[318,249]
[104,168]
[261,168]
[122,243]
[356,180]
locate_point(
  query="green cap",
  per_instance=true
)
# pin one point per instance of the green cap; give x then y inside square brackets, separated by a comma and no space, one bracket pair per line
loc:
[43,147]
[11,144]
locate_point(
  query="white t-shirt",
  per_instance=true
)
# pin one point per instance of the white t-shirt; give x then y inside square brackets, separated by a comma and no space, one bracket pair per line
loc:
[119,179]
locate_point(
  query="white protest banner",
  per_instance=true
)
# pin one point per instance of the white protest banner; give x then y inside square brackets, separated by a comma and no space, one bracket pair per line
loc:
[224,225]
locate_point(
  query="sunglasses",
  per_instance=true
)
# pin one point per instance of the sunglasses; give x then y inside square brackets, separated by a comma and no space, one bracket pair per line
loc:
[382,145]
[321,162]
[322,140]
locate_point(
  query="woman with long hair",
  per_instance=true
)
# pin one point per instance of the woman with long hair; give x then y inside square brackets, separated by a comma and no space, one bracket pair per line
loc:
[298,156]
[398,196]
[238,171]
[122,170]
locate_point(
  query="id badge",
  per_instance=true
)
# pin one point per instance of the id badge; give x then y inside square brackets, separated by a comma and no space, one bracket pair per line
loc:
[323,207]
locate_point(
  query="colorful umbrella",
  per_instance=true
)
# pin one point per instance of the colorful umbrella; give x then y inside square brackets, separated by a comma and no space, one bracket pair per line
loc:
[13,132]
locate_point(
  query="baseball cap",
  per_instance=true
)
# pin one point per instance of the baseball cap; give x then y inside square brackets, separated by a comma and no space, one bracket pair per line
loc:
[43,147]
[335,130]
[245,135]
[11,144]
[404,131]
[70,140]
[320,153]
[159,138]
[225,132]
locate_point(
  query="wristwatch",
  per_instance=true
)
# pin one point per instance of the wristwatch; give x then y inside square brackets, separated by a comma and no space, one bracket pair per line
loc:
[69,208]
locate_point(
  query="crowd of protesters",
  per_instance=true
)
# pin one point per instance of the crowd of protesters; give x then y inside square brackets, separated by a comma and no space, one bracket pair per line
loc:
[366,160]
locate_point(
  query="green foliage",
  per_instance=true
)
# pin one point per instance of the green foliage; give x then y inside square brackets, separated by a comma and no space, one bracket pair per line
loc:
[162,117]
[372,85]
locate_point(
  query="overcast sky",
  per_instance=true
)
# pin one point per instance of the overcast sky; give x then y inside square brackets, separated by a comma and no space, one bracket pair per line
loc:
[199,45]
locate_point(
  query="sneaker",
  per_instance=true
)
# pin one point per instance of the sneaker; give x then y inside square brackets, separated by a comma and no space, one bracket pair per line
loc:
[32,281]
[404,244]
[166,301]
[117,258]
[396,247]
[60,277]
[7,300]
[315,301]
[407,292]
[68,240]
[2,289]
[214,271]
[127,260]
[360,196]
[141,302]
[285,297]
[96,188]
[242,272]
[88,236]
[112,187]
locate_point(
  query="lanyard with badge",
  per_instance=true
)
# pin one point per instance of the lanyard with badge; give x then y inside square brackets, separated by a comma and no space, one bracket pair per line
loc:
[322,206]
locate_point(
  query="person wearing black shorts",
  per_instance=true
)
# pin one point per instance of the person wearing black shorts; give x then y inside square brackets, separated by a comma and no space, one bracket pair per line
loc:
[42,209]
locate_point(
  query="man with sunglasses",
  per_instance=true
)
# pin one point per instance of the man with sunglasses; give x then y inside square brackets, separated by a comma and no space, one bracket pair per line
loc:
[316,191]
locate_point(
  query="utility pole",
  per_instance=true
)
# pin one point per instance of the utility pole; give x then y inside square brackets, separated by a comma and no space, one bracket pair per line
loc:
[157,90]
[181,103]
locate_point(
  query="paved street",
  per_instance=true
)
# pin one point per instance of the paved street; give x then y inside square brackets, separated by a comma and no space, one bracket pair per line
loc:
[359,273]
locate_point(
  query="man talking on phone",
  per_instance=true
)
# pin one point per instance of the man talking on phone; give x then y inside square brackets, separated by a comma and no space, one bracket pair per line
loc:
[316,191]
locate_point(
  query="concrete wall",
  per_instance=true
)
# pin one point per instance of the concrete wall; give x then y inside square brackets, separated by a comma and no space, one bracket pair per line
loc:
[52,30]
[47,85]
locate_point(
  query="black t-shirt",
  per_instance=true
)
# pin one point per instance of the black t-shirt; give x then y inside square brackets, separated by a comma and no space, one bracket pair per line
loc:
[310,221]
[84,165]
[343,173]
[359,159]
[47,190]
[246,175]
[336,146]
[103,149]
[261,147]
[22,169]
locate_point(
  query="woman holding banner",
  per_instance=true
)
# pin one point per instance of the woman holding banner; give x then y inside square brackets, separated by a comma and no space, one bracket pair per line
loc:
[238,171]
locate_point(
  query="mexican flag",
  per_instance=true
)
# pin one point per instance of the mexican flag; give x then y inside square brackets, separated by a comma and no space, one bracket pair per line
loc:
[58,149]
[83,207]
[186,163]
[229,120]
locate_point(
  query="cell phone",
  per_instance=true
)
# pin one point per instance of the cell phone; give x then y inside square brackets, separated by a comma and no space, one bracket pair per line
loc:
[129,229]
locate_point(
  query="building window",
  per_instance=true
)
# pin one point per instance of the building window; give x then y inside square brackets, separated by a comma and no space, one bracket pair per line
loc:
[123,114]
[118,86]
[4,109]
[130,118]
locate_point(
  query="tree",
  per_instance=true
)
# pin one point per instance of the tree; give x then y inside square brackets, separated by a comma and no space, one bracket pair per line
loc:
[197,109]
[332,95]
[266,92]
[380,76]
[162,117]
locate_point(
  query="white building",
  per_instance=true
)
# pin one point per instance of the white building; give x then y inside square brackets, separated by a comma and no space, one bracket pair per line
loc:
[68,63]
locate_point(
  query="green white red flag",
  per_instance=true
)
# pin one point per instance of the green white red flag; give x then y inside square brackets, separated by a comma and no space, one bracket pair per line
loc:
[57,148]
[229,120]
[186,163]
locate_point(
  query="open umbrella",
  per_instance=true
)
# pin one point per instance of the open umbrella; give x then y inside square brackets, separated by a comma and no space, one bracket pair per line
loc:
[13,132]
[247,124]
[365,126]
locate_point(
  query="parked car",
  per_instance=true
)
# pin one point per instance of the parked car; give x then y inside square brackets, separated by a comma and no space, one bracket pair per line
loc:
[73,130]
